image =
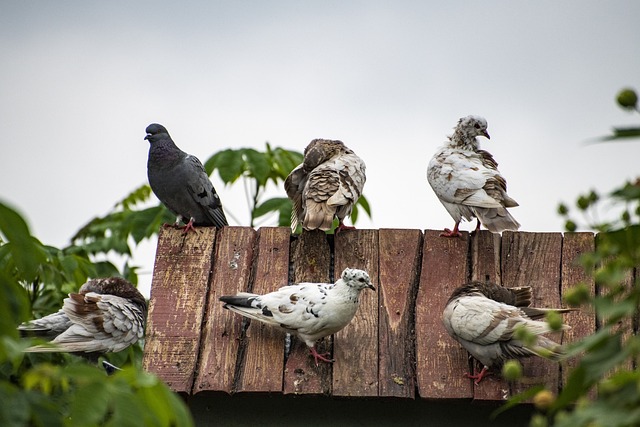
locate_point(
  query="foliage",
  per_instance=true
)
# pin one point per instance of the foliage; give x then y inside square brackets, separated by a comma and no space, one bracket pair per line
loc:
[35,391]
[603,388]
[627,99]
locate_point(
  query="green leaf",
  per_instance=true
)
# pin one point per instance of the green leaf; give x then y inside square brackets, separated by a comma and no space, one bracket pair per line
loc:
[271,205]
[229,163]
[257,165]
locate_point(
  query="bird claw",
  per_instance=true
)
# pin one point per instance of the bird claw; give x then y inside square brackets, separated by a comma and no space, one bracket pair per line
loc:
[189,227]
[317,356]
[342,227]
[479,376]
[450,233]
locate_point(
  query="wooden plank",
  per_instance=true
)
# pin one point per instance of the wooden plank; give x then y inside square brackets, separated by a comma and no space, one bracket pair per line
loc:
[534,259]
[441,362]
[263,362]
[485,266]
[178,294]
[355,348]
[583,323]
[222,335]
[311,257]
[400,256]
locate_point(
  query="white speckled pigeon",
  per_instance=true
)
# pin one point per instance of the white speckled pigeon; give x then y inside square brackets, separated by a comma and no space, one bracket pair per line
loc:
[310,310]
[483,316]
[467,181]
[180,182]
[326,185]
[106,315]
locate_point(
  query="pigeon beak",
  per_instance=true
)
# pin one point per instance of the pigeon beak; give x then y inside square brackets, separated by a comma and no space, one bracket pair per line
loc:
[148,136]
[370,286]
[486,134]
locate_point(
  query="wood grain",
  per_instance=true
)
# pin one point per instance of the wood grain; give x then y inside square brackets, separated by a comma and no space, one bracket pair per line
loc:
[534,259]
[311,256]
[222,335]
[355,348]
[485,266]
[399,258]
[263,361]
[441,361]
[178,295]
[583,323]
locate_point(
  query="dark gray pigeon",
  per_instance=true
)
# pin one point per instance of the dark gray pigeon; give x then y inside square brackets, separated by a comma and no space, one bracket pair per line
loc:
[106,315]
[180,182]
[483,317]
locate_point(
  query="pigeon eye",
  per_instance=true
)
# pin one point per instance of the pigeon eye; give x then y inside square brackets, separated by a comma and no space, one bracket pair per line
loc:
[477,126]
[361,280]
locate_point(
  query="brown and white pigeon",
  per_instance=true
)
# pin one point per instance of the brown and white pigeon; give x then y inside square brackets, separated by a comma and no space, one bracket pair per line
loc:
[325,185]
[310,310]
[467,181]
[106,315]
[181,183]
[483,317]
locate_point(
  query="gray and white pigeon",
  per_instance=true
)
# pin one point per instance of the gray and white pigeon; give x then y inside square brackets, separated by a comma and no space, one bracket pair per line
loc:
[325,185]
[483,317]
[467,181]
[181,183]
[106,315]
[310,310]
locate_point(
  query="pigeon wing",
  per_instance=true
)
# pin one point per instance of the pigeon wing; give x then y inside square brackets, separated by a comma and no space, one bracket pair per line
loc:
[201,190]
[460,177]
[100,323]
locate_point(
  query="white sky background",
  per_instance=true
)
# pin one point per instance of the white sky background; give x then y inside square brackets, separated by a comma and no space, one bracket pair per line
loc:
[80,81]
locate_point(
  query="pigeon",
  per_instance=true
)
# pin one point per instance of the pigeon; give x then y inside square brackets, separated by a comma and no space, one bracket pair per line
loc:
[325,185]
[106,315]
[310,310]
[467,181]
[180,182]
[483,316]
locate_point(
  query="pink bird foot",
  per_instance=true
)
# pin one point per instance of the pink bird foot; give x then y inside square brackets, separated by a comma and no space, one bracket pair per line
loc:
[317,356]
[479,376]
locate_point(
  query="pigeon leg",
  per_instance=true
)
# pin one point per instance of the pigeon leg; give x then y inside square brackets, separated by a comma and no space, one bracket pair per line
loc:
[451,233]
[479,376]
[341,227]
[189,227]
[317,356]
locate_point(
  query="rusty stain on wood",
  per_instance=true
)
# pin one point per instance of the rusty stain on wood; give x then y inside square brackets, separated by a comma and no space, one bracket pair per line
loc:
[400,256]
[355,348]
[441,362]
[221,337]
[263,359]
[178,298]
[395,345]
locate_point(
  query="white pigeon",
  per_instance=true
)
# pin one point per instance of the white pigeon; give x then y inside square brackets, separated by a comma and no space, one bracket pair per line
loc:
[310,310]
[106,315]
[467,181]
[483,317]
[325,185]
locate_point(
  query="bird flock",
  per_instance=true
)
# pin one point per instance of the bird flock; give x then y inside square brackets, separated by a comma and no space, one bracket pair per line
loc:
[109,314]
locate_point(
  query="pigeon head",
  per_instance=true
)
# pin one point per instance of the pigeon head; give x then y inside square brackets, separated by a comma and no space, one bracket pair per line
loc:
[358,279]
[155,132]
[472,126]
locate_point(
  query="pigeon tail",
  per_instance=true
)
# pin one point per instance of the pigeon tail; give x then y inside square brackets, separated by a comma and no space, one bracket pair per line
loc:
[318,216]
[496,220]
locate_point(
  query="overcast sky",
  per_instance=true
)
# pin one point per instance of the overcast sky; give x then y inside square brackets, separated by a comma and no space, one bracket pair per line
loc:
[81,80]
